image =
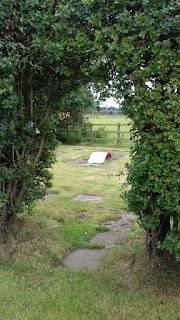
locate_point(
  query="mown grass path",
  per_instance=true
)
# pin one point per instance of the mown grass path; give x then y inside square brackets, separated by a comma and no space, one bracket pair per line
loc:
[126,286]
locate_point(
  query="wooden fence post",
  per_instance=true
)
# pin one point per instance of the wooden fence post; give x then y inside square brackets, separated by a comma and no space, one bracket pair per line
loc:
[118,134]
[91,133]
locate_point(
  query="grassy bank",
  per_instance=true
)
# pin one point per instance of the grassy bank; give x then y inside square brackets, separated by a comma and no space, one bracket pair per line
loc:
[34,284]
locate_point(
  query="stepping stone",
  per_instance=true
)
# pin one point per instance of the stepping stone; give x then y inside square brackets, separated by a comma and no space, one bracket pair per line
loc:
[84,259]
[90,258]
[108,238]
[124,223]
[49,196]
[84,197]
[119,224]
[128,216]
[114,225]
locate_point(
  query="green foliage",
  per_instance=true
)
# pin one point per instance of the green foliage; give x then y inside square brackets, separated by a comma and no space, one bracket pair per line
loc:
[45,53]
[74,137]
[100,133]
[78,103]
[141,41]
[172,244]
[102,228]
[145,49]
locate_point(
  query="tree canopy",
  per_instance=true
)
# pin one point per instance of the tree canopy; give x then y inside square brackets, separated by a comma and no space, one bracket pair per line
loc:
[77,103]
[46,51]
[142,40]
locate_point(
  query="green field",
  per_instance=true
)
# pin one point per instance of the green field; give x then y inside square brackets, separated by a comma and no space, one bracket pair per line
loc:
[108,123]
[103,118]
[126,286]
[107,130]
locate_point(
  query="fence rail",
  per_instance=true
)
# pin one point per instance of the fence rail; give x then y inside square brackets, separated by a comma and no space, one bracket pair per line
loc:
[90,133]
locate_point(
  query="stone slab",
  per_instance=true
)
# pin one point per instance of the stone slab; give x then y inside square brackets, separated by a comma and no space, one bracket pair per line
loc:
[84,197]
[117,225]
[49,196]
[108,238]
[90,258]
[124,223]
[84,259]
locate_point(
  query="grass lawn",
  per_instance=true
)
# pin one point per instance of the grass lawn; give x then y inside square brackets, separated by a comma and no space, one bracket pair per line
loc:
[126,286]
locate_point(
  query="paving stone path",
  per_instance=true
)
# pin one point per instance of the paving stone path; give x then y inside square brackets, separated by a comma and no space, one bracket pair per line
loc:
[85,197]
[84,258]
[88,259]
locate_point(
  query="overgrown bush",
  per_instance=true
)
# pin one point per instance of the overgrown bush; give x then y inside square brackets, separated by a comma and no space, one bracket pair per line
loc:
[45,53]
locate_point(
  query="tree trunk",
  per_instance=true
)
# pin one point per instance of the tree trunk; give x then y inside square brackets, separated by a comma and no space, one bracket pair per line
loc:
[7,217]
[7,213]
[157,235]
[3,223]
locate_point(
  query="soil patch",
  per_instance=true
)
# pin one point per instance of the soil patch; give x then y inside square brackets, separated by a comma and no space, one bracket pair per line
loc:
[83,216]
[82,162]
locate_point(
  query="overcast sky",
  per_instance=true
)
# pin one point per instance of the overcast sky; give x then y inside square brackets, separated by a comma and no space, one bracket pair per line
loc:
[110,102]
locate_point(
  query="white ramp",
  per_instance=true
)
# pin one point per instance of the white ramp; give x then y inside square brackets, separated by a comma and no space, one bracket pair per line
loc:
[99,157]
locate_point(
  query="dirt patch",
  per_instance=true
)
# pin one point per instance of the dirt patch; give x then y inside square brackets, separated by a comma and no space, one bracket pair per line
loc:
[100,208]
[83,216]
[82,162]
[116,155]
